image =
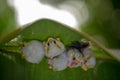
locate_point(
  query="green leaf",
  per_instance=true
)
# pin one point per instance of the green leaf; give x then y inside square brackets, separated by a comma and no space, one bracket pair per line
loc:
[43,29]
[104,18]
[107,68]
[7,18]
[9,36]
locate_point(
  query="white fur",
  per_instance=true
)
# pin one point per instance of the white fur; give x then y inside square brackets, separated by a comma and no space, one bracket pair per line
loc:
[53,49]
[59,63]
[70,58]
[92,61]
[34,51]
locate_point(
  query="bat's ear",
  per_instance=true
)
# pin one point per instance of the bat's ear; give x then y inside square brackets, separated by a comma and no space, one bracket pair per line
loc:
[90,44]
[50,40]
[44,43]
[58,39]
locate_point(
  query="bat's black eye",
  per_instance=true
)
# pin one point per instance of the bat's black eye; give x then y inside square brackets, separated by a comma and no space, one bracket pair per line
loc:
[74,58]
[54,42]
[48,44]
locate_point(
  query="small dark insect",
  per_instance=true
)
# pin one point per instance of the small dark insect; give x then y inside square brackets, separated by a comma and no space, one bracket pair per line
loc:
[80,46]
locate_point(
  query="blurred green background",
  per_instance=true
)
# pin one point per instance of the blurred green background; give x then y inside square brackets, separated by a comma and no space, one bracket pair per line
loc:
[103,25]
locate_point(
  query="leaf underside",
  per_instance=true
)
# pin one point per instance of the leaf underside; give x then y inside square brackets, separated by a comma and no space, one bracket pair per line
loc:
[107,68]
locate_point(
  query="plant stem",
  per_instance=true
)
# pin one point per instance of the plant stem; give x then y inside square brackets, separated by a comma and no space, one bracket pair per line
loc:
[100,45]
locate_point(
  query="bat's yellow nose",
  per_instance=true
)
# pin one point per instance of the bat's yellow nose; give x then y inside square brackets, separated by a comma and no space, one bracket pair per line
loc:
[58,46]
